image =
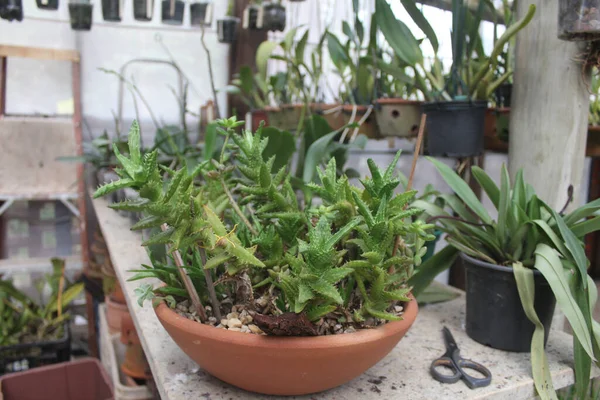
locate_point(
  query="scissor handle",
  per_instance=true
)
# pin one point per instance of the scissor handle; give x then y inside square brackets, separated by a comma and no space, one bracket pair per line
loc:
[459,373]
[448,363]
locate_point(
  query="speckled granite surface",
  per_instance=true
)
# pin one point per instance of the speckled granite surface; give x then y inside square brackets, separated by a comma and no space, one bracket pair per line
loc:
[403,374]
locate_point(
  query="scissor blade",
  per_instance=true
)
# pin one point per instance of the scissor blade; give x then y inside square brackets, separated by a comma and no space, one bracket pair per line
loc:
[450,342]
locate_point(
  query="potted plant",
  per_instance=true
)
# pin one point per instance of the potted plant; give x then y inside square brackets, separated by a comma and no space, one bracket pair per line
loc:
[11,10]
[111,10]
[531,257]
[271,268]
[456,102]
[143,10]
[578,20]
[272,16]
[227,27]
[47,4]
[172,12]
[201,13]
[80,14]
[35,334]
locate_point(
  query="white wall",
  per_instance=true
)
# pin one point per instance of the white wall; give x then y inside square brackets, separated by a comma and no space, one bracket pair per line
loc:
[44,86]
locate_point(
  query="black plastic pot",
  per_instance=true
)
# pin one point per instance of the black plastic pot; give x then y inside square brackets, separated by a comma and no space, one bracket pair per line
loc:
[81,16]
[273,17]
[227,29]
[47,4]
[21,357]
[579,20]
[252,17]
[11,10]
[142,11]
[495,316]
[198,14]
[503,95]
[172,15]
[111,10]
[455,128]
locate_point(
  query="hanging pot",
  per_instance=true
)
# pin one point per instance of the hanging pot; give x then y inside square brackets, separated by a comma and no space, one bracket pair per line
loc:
[172,12]
[398,117]
[47,4]
[285,117]
[11,10]
[143,10]
[579,20]
[339,116]
[227,29]
[495,315]
[201,14]
[250,17]
[111,10]
[273,17]
[80,13]
[455,128]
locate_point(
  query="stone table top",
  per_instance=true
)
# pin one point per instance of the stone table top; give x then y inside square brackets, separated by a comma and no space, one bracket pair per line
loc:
[403,374]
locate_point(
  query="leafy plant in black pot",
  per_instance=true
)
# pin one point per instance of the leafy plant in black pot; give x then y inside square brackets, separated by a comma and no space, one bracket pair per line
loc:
[228,26]
[201,13]
[11,10]
[143,10]
[517,268]
[80,13]
[273,16]
[47,4]
[172,12]
[111,10]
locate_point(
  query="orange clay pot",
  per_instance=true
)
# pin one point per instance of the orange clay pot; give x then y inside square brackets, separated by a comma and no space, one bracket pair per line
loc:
[284,365]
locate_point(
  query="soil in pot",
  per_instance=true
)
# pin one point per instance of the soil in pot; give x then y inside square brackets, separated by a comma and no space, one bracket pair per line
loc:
[455,128]
[227,29]
[143,10]
[111,10]
[273,16]
[201,14]
[398,117]
[272,365]
[11,10]
[81,16]
[172,12]
[47,4]
[495,316]
[579,20]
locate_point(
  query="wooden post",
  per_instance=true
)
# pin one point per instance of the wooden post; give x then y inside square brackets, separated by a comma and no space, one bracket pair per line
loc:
[549,112]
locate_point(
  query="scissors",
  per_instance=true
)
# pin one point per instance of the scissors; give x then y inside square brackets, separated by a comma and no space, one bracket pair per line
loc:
[452,360]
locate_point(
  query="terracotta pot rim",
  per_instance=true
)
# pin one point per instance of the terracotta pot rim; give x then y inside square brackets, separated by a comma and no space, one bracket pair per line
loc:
[282,107]
[398,100]
[276,342]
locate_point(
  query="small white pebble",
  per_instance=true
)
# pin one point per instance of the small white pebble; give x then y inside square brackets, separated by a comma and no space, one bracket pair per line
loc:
[245,329]
[254,329]
[350,330]
[234,323]
[208,308]
[212,320]
[337,327]
[232,315]
[224,322]
[235,329]
[398,308]
[262,302]
[243,313]
[220,326]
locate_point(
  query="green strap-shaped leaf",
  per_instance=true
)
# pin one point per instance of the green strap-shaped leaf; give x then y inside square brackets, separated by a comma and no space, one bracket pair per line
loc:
[575,247]
[417,16]
[583,228]
[462,190]
[539,363]
[582,212]
[548,263]
[397,34]
[503,207]
[263,53]
[426,273]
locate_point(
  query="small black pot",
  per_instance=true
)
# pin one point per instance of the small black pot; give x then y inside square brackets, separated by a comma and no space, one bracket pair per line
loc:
[141,12]
[495,316]
[11,10]
[273,17]
[503,95]
[198,15]
[47,5]
[111,10]
[81,16]
[175,17]
[455,128]
[252,11]
[227,29]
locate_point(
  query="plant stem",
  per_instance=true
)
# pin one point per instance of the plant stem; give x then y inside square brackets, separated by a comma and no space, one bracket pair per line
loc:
[210,74]
[210,287]
[187,282]
[236,208]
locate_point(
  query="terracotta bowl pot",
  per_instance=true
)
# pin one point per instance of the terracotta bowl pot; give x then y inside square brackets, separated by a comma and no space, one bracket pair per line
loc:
[284,365]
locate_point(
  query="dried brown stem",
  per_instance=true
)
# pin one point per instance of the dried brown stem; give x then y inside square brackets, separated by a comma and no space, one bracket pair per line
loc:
[210,286]
[187,282]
